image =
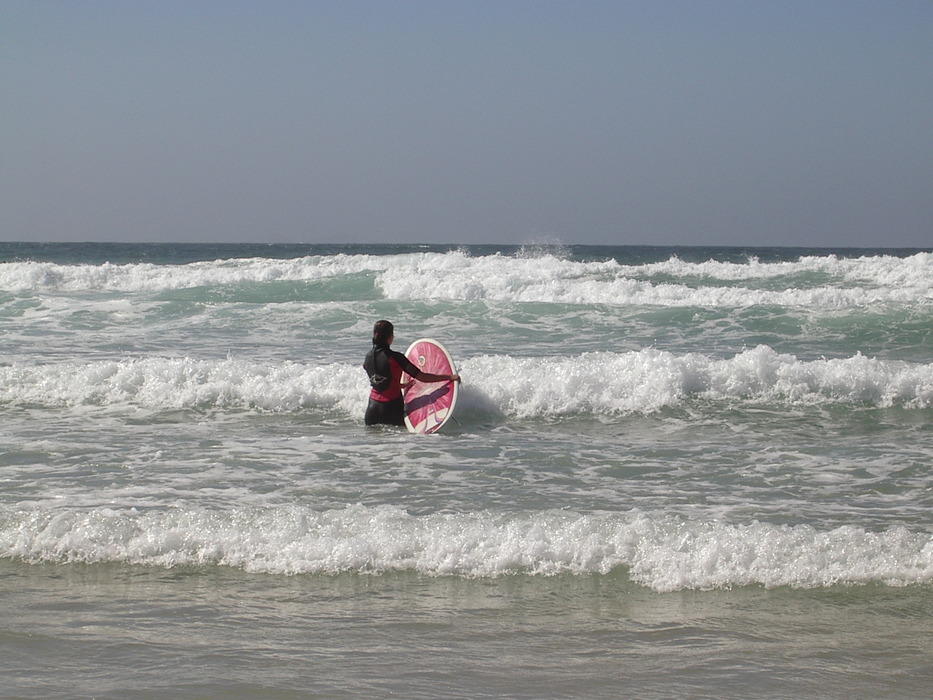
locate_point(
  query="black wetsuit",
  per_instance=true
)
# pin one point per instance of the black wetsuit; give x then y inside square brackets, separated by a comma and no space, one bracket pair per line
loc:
[385,367]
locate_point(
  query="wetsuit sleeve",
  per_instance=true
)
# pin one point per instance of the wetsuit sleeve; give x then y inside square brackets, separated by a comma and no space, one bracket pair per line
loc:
[406,364]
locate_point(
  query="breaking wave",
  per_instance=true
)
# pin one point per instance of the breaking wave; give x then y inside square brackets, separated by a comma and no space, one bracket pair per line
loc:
[664,553]
[598,383]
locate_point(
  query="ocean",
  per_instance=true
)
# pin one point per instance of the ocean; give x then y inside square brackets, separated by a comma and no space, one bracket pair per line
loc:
[674,472]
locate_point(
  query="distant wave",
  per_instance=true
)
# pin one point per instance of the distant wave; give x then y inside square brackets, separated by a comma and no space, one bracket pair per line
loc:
[880,270]
[147,277]
[845,283]
[827,281]
[599,383]
[664,553]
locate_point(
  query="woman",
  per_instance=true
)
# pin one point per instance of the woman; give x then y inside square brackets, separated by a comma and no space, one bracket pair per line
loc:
[385,368]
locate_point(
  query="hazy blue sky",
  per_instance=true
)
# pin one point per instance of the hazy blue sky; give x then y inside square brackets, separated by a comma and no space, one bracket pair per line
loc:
[734,123]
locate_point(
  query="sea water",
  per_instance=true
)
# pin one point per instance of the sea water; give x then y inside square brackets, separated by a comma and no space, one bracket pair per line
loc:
[688,472]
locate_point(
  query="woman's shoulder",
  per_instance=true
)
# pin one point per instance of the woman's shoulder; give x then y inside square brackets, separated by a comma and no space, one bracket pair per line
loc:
[399,356]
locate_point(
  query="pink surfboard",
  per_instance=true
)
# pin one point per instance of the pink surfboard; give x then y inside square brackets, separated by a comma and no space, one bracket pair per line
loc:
[429,406]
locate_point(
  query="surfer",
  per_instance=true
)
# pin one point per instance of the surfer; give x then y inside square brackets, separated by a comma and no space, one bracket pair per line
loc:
[385,368]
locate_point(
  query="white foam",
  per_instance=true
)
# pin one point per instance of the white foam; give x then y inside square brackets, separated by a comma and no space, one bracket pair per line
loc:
[599,383]
[662,552]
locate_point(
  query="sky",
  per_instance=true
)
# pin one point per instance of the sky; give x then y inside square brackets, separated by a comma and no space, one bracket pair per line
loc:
[664,122]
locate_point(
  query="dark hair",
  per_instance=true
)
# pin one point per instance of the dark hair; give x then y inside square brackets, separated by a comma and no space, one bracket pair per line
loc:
[382,331]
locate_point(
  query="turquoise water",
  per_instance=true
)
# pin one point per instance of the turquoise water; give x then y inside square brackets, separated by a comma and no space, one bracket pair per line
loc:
[674,472]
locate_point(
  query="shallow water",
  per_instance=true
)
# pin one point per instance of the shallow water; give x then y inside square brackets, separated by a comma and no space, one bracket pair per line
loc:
[117,631]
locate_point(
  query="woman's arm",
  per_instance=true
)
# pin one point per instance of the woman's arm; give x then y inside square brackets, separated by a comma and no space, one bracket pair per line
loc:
[428,378]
